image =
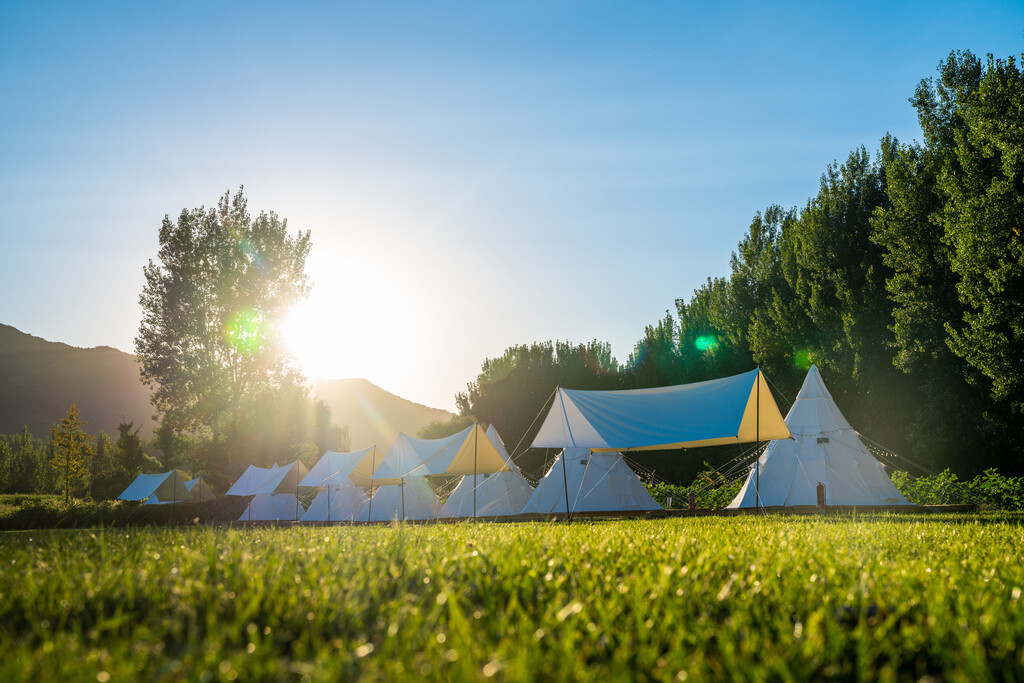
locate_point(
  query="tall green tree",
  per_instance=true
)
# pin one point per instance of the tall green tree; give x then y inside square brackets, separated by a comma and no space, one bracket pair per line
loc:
[209,342]
[71,446]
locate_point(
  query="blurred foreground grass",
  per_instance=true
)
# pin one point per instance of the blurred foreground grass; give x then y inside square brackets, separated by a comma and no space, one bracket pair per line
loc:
[881,597]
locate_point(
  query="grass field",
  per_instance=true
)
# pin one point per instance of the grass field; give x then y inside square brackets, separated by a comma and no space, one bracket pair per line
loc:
[747,598]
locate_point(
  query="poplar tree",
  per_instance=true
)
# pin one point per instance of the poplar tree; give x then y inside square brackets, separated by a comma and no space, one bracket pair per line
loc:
[71,446]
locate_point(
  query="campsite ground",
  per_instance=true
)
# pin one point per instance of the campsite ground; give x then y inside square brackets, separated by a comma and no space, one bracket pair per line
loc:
[887,597]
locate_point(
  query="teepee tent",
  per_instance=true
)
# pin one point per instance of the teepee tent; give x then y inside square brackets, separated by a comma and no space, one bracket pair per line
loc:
[158,489]
[824,449]
[497,495]
[412,500]
[736,409]
[273,507]
[592,482]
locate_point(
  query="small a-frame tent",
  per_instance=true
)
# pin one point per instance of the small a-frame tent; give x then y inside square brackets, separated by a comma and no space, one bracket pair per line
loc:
[497,495]
[158,489]
[264,507]
[200,491]
[411,500]
[825,449]
[596,482]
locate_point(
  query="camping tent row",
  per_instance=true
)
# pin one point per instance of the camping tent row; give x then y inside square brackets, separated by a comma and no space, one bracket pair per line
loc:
[592,428]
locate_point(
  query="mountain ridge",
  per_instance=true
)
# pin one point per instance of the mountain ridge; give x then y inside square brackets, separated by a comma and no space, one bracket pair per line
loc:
[40,378]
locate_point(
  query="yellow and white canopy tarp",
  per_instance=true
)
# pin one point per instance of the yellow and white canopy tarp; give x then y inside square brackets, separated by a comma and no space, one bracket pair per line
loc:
[737,409]
[466,452]
[353,467]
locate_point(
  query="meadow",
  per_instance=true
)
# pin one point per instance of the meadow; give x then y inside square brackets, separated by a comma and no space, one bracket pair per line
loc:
[878,597]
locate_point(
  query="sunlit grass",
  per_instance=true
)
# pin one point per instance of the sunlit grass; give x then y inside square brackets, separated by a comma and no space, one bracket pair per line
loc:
[747,598]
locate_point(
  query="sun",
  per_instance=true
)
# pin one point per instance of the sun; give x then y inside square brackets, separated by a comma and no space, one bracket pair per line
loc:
[348,328]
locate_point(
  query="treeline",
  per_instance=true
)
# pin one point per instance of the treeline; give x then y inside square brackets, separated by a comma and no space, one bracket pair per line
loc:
[901,279]
[27,464]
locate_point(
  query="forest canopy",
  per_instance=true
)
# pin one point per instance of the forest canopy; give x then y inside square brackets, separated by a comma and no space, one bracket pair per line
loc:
[901,279]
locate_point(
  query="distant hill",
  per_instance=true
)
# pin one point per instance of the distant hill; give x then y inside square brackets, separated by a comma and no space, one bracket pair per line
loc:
[39,379]
[373,415]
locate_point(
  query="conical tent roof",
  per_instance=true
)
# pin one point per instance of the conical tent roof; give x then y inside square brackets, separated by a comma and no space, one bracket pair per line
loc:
[497,495]
[336,504]
[165,487]
[736,409]
[596,482]
[825,449]
[387,502]
[273,507]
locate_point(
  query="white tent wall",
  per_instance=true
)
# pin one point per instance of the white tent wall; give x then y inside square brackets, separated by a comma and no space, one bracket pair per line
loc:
[420,502]
[596,482]
[825,449]
[273,507]
[336,504]
[500,494]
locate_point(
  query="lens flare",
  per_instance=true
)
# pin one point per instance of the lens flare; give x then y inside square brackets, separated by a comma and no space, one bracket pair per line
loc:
[246,331]
[705,342]
[802,359]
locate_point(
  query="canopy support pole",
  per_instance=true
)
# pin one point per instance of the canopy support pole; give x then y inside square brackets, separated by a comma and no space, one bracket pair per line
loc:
[403,499]
[373,465]
[565,485]
[757,440]
[474,469]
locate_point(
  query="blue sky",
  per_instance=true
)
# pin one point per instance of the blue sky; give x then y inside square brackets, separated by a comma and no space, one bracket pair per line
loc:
[474,175]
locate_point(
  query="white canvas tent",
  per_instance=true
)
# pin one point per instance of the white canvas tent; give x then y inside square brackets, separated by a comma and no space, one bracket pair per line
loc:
[497,495]
[274,488]
[162,488]
[596,482]
[825,449]
[735,409]
[413,500]
[273,507]
[276,479]
[339,503]
[466,452]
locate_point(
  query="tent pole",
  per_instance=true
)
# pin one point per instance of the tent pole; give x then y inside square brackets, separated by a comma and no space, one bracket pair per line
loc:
[403,498]
[474,469]
[757,438]
[373,464]
[565,485]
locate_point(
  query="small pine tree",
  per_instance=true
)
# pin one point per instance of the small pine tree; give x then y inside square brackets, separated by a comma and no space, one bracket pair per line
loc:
[71,446]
